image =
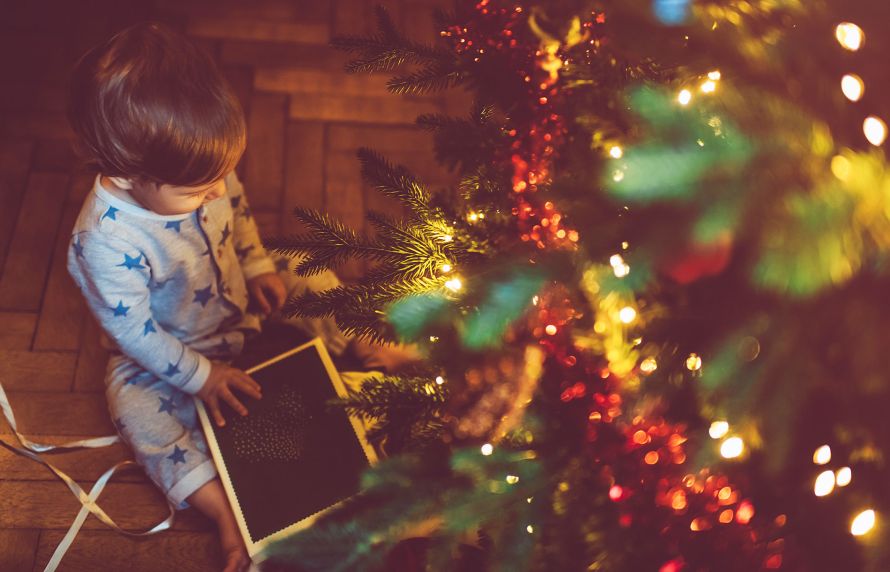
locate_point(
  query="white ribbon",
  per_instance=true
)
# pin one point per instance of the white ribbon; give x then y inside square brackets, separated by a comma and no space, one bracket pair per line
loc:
[87,501]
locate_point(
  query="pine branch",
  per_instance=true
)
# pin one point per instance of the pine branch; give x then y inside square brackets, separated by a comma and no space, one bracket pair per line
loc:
[394,181]
[434,77]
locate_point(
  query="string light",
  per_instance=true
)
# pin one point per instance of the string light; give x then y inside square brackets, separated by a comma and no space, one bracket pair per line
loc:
[718,429]
[487,449]
[875,130]
[863,523]
[551,330]
[714,75]
[445,268]
[530,529]
[648,365]
[709,86]
[454,284]
[684,97]
[512,479]
[616,152]
[822,455]
[627,314]
[693,362]
[440,380]
[619,267]
[852,86]
[844,476]
[849,35]
[824,483]
[841,167]
[732,448]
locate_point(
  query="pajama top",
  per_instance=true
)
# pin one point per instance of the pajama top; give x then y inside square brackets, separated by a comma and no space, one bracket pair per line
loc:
[158,283]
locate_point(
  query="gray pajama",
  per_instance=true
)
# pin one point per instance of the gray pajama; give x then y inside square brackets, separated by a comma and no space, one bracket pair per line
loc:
[170,294]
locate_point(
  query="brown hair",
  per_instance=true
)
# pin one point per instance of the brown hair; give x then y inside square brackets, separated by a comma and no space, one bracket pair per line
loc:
[150,105]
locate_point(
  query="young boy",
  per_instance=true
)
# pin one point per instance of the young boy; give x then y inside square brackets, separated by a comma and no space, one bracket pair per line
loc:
[167,255]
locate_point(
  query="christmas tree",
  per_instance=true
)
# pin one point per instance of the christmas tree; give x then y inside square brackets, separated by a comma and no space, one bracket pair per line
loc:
[651,309]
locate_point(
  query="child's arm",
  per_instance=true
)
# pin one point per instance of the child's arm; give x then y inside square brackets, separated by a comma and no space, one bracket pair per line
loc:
[114,276]
[251,253]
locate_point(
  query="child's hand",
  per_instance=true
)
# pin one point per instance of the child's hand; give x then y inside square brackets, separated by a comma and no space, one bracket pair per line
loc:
[389,358]
[267,292]
[219,385]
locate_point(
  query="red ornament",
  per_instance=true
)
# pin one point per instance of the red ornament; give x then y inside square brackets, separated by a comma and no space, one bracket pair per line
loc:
[700,260]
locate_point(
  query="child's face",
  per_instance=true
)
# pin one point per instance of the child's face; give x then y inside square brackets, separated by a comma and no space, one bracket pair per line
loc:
[173,200]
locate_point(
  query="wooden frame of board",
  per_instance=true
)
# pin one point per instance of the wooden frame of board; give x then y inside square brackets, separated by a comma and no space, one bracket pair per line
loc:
[255,547]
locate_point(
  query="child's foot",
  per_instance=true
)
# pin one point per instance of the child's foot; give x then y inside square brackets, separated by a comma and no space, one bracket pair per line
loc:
[233,549]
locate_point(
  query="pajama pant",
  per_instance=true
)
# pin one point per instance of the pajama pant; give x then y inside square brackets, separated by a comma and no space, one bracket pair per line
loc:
[160,422]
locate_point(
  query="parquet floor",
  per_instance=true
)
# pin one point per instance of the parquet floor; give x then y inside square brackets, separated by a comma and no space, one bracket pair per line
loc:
[306,118]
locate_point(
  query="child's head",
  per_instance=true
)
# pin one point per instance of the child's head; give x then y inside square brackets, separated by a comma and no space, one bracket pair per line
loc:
[153,113]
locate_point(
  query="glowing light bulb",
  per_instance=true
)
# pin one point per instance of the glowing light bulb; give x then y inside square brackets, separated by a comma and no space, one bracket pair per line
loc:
[454,284]
[473,217]
[551,330]
[709,86]
[849,35]
[863,523]
[512,479]
[718,429]
[693,362]
[684,97]
[627,314]
[875,130]
[824,483]
[852,86]
[841,167]
[440,380]
[445,268]
[616,152]
[732,448]
[530,529]
[714,75]
[648,365]
[446,238]
[822,455]
[844,476]
[487,449]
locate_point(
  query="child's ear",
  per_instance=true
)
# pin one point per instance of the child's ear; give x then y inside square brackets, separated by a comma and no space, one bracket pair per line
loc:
[122,183]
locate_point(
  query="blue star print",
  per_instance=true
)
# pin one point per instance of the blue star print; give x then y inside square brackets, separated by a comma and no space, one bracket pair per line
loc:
[166,406]
[172,370]
[246,212]
[149,327]
[131,262]
[174,224]
[178,455]
[242,252]
[235,201]
[225,235]
[78,248]
[121,310]
[110,213]
[203,296]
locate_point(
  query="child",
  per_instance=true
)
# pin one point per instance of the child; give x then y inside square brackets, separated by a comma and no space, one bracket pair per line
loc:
[167,255]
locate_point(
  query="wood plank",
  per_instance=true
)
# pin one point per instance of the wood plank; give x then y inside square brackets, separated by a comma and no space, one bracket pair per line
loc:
[35,125]
[265,150]
[356,17]
[50,504]
[240,28]
[241,80]
[92,359]
[386,109]
[27,264]
[37,371]
[17,330]
[21,95]
[44,413]
[81,185]
[293,10]
[106,550]
[18,548]
[54,155]
[81,465]
[304,171]
[63,308]
[268,223]
[15,160]
[344,201]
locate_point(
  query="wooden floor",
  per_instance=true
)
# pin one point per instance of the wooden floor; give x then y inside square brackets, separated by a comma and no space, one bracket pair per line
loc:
[306,119]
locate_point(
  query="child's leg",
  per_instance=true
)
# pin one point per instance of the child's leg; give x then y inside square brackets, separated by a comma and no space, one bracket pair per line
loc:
[211,500]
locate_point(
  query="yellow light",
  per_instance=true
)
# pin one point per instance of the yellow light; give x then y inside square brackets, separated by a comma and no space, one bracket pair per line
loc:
[445,268]
[454,284]
[627,314]
[616,152]
[649,365]
[849,35]
[473,217]
[693,362]
[447,238]
[434,339]
[440,380]
[732,448]
[863,523]
[684,97]
[852,86]
[512,479]
[530,529]
[618,175]
[551,330]
[844,476]
[822,455]
[487,449]
[841,167]
[709,86]
[718,429]
[875,130]
[619,267]
[824,483]
[714,75]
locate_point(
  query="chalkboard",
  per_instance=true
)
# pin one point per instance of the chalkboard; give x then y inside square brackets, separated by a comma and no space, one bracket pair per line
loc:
[293,455]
